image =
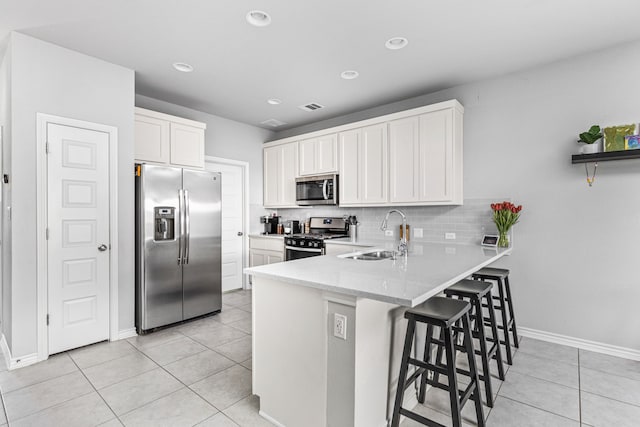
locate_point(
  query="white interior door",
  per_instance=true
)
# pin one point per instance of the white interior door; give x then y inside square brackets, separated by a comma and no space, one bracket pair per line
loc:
[78,236]
[233,220]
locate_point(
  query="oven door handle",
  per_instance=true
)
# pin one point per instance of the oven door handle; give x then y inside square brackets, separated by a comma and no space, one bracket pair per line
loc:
[324,189]
[293,248]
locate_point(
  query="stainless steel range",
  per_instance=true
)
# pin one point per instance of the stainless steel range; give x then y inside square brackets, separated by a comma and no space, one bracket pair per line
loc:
[300,246]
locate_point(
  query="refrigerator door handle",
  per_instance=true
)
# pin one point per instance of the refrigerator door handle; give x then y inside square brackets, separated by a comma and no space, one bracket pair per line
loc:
[187,235]
[180,227]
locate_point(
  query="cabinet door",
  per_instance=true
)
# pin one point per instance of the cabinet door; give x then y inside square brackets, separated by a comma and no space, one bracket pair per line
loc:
[257,258]
[273,257]
[404,160]
[307,159]
[289,171]
[326,154]
[349,167]
[187,145]
[271,174]
[374,169]
[436,156]
[279,175]
[151,139]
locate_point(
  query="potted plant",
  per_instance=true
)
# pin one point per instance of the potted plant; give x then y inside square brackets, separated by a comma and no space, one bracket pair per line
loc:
[590,140]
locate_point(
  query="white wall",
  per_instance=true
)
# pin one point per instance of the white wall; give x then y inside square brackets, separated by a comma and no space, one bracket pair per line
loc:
[5,122]
[229,139]
[49,79]
[574,269]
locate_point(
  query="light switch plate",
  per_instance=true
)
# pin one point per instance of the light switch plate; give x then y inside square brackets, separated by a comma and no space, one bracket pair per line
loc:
[417,233]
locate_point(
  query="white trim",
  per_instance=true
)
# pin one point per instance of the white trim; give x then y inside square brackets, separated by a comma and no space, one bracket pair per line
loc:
[245,206]
[127,333]
[13,362]
[41,217]
[270,419]
[597,347]
[168,117]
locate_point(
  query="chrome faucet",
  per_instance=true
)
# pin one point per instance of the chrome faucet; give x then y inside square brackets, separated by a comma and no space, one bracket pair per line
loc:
[402,247]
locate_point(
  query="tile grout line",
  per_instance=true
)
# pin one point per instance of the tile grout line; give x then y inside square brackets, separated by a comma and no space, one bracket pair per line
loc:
[96,390]
[539,409]
[4,407]
[579,391]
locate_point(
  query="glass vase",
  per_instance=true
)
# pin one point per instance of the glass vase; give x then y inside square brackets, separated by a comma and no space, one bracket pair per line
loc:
[503,239]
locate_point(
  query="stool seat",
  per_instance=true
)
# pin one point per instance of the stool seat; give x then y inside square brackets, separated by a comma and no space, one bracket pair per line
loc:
[469,288]
[438,311]
[491,272]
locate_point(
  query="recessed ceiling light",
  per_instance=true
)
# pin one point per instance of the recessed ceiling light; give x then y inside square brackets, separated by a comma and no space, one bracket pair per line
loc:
[274,101]
[258,18]
[349,74]
[396,43]
[181,66]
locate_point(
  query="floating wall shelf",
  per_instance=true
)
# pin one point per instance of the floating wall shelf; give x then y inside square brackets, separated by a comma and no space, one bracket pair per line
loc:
[603,157]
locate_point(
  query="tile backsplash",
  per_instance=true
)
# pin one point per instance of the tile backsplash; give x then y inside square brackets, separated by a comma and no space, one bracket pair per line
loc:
[469,221]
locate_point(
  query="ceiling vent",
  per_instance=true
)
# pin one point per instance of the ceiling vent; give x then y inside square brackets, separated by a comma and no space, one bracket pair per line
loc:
[312,106]
[273,123]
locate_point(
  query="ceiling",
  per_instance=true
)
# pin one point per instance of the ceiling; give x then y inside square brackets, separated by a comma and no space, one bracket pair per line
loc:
[299,57]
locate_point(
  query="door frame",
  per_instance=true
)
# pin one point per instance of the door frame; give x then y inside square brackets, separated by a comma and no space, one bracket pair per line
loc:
[41,211]
[245,206]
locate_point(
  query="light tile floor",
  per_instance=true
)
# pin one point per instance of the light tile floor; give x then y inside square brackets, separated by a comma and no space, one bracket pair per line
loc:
[199,374]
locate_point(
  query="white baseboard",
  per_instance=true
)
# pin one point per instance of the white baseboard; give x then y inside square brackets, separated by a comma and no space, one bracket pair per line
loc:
[16,362]
[597,347]
[270,419]
[127,333]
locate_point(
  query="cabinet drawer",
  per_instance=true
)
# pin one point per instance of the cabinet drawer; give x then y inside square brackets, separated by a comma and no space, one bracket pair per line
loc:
[266,243]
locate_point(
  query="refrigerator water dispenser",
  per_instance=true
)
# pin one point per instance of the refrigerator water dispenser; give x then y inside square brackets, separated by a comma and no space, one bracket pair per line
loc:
[165,223]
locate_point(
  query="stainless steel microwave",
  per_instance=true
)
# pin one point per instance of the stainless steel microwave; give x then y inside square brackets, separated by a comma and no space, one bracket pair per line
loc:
[317,190]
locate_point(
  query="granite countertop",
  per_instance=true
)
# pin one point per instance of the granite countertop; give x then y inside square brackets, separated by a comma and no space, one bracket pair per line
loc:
[409,280]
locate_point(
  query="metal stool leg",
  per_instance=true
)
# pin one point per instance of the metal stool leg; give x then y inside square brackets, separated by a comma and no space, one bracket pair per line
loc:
[514,330]
[494,333]
[404,365]
[505,324]
[468,343]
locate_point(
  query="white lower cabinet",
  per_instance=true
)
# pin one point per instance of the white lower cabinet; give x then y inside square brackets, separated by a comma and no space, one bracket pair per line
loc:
[265,250]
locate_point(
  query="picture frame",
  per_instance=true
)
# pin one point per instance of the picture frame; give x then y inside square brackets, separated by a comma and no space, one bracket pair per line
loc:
[490,240]
[614,136]
[632,142]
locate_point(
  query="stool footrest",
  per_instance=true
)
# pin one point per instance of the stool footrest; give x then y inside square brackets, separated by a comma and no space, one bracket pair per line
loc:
[419,418]
[424,365]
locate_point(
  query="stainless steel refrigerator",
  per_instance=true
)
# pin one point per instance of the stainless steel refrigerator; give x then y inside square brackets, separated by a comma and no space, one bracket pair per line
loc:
[178,235]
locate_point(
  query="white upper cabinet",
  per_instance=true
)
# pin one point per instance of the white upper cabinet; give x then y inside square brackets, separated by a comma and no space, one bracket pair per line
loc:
[280,171]
[363,166]
[409,158]
[425,159]
[319,155]
[168,140]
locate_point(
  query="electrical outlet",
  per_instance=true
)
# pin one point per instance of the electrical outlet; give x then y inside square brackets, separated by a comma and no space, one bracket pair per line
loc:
[450,236]
[340,326]
[417,232]
[388,233]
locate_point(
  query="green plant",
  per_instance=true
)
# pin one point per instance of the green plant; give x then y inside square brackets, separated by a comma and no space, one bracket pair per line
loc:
[591,136]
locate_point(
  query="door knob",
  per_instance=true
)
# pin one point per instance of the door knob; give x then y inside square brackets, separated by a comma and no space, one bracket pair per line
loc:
[102,248]
[240,233]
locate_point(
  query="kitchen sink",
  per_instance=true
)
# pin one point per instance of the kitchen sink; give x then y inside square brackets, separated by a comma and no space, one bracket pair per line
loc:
[372,256]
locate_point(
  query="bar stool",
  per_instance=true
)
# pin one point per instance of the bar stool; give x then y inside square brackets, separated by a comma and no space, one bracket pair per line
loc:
[444,313]
[504,304]
[489,348]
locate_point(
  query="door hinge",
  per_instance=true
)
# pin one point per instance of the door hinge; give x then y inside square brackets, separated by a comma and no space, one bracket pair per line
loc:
[46,147]
[46,232]
[47,320]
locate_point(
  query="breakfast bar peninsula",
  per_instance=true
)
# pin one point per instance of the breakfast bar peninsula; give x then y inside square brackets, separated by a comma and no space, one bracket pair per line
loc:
[328,330]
